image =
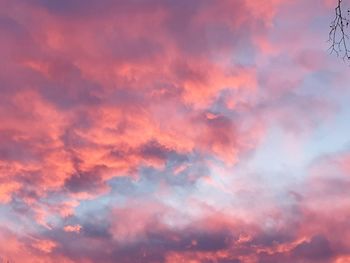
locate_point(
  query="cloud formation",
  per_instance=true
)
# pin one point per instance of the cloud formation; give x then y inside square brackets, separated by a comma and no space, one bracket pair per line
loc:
[171,131]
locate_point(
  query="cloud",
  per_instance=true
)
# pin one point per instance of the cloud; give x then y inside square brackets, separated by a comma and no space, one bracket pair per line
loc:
[72,228]
[130,129]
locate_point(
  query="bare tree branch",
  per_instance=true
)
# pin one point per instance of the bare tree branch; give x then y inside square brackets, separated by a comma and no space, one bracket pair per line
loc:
[338,36]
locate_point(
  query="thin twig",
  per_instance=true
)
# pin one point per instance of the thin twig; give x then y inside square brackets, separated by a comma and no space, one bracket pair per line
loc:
[337,35]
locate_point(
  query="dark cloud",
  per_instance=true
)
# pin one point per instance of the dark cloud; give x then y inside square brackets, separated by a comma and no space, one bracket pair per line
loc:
[154,150]
[318,248]
[89,181]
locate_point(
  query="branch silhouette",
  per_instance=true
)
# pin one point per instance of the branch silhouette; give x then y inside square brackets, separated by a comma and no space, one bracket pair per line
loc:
[338,33]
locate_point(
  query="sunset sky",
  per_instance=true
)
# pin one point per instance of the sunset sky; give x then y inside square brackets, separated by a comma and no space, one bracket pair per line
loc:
[169,131]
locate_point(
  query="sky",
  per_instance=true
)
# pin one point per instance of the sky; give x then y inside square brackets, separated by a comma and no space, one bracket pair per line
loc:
[169,131]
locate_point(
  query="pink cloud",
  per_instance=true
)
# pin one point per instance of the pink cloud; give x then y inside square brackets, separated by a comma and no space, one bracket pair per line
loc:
[72,228]
[114,116]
